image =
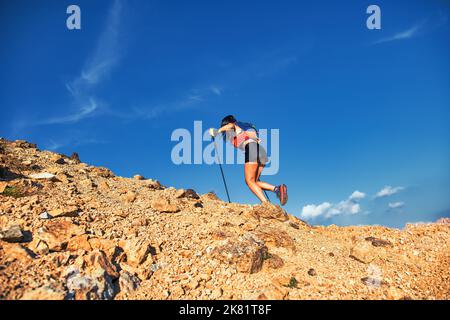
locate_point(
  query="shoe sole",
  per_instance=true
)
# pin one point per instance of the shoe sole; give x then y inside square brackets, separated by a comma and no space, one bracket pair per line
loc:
[283,194]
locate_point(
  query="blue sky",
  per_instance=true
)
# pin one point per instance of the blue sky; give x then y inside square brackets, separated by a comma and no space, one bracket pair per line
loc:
[364,115]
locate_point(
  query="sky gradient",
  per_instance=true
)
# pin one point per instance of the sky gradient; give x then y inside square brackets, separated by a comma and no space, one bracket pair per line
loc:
[364,115]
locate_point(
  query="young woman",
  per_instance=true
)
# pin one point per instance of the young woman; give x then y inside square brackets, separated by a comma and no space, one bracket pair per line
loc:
[245,137]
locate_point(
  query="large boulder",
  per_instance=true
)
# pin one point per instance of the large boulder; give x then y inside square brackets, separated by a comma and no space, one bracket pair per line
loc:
[246,253]
[92,279]
[276,238]
[136,251]
[268,210]
[56,234]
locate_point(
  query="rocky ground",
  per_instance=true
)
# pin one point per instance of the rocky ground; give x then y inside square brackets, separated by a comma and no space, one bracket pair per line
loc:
[73,231]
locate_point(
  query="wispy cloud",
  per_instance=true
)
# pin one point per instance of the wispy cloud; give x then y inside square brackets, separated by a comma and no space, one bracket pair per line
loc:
[82,113]
[350,206]
[192,99]
[405,34]
[396,205]
[55,145]
[97,67]
[388,191]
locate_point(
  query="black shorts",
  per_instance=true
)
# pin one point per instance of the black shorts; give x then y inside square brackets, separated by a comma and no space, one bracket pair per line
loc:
[254,152]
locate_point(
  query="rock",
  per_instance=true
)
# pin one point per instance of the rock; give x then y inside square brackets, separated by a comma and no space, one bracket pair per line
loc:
[98,260]
[275,238]
[312,272]
[136,250]
[45,216]
[268,210]
[94,286]
[24,144]
[216,293]
[138,177]
[56,234]
[363,251]
[69,211]
[153,184]
[129,197]
[102,172]
[246,253]
[79,243]
[372,282]
[63,177]
[43,176]
[44,293]
[395,293]
[211,196]
[59,160]
[109,247]
[273,292]
[75,157]
[274,261]
[104,186]
[15,252]
[189,193]
[164,205]
[378,242]
[128,283]
[38,246]
[3,186]
[13,234]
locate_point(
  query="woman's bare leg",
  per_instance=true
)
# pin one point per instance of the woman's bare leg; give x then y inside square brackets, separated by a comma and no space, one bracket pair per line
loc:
[261,184]
[251,172]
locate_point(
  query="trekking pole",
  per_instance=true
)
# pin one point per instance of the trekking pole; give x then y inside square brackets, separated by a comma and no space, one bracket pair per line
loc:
[220,166]
[267,196]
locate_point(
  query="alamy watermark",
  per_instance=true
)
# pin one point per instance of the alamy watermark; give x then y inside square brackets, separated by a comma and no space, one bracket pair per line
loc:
[197,147]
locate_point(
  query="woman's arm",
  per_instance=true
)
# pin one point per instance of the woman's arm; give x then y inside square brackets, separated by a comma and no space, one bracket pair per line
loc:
[226,127]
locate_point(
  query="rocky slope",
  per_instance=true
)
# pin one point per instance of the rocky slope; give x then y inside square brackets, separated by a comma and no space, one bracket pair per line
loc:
[73,231]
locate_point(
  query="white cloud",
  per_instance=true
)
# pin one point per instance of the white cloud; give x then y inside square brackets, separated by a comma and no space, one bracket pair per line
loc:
[98,66]
[357,195]
[396,205]
[403,35]
[311,211]
[327,210]
[82,113]
[216,90]
[388,191]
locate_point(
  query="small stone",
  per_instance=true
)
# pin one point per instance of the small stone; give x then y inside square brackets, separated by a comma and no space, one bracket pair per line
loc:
[13,234]
[45,216]
[312,272]
[75,157]
[15,251]
[274,262]
[138,177]
[3,186]
[128,282]
[164,205]
[129,197]
[43,176]
[378,242]
[363,251]
[70,211]
[79,243]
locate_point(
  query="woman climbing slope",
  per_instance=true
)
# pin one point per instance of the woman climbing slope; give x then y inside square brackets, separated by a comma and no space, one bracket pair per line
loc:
[245,137]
